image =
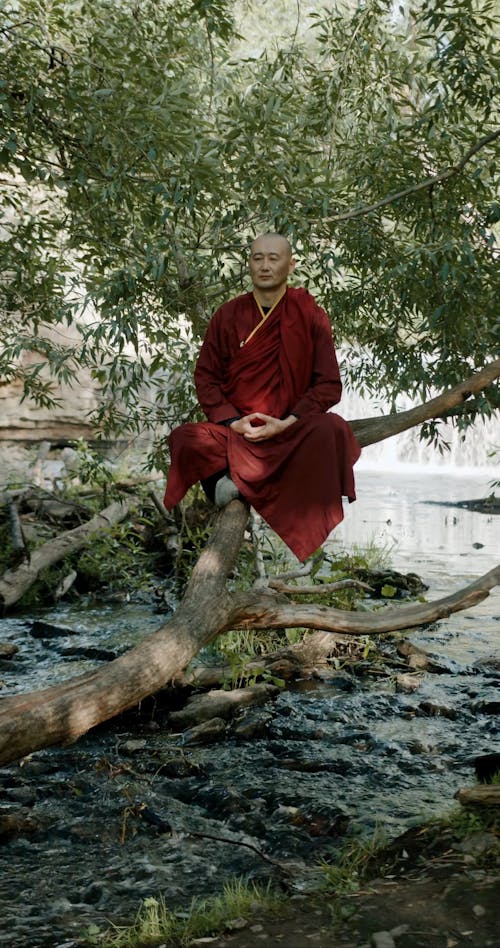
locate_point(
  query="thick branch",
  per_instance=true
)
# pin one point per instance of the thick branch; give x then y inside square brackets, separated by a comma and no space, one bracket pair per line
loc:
[371,430]
[253,610]
[62,713]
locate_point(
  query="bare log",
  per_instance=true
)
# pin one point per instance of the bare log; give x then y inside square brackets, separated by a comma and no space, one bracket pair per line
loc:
[15,582]
[482,795]
[370,430]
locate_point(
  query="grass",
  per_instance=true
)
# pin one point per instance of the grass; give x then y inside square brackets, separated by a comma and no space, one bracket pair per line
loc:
[155,924]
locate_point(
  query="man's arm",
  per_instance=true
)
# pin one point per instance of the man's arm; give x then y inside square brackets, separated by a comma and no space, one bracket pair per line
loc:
[326,387]
[209,376]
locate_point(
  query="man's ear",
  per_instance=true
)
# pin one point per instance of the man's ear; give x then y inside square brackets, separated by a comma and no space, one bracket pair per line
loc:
[291,265]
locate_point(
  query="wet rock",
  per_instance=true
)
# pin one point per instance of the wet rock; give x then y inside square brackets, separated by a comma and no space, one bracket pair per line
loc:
[132,747]
[252,726]
[48,630]
[487,766]
[407,684]
[220,704]
[220,801]
[27,796]
[93,893]
[431,709]
[89,651]
[8,650]
[418,659]
[488,666]
[487,707]
[17,823]
[205,733]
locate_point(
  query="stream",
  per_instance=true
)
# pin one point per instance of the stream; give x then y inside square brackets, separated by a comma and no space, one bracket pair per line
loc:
[132,809]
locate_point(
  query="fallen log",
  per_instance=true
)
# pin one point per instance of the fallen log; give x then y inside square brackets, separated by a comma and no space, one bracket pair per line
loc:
[15,582]
[62,713]
[482,795]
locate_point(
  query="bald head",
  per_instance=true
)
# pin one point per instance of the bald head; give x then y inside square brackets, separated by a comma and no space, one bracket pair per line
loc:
[278,240]
[270,264]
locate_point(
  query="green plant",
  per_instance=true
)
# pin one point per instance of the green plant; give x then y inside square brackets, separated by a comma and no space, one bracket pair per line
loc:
[347,873]
[156,924]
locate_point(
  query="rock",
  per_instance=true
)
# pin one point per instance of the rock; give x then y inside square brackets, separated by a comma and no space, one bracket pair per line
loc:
[382,940]
[205,733]
[406,684]
[488,666]
[419,659]
[252,726]
[487,766]
[479,910]
[476,844]
[16,823]
[431,709]
[236,924]
[90,652]
[48,630]
[220,704]
[487,707]
[8,650]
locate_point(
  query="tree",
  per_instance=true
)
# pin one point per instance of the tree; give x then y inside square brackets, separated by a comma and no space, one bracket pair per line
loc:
[138,156]
[151,155]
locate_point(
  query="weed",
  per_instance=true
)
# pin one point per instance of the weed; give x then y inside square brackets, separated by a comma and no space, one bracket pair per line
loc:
[156,924]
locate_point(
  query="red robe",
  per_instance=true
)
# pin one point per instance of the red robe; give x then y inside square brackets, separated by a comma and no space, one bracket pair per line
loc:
[296,480]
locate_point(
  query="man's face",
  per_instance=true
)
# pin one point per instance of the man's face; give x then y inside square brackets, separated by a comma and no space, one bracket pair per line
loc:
[270,263]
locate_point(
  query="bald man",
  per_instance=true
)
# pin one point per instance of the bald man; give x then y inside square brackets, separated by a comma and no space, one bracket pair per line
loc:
[266,377]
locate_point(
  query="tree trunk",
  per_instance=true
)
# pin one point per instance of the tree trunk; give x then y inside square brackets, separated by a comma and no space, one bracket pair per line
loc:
[62,713]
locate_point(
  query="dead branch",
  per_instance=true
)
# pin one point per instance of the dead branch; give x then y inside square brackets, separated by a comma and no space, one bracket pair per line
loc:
[261,610]
[15,582]
[320,589]
[482,795]
[62,713]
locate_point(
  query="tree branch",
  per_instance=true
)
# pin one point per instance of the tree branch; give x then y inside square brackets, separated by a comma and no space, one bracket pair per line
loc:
[421,186]
[370,430]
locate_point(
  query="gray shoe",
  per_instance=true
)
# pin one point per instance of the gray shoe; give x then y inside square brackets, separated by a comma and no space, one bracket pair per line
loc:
[225,491]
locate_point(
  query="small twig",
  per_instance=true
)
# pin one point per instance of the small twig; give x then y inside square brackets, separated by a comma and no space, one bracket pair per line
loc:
[159,506]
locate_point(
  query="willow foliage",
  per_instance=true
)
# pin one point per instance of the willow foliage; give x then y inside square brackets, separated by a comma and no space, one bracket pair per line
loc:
[140,151]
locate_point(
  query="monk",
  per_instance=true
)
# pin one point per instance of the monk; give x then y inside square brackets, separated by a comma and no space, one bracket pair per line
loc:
[266,375]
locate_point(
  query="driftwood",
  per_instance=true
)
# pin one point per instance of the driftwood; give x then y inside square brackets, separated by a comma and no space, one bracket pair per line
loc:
[15,582]
[62,713]
[482,795]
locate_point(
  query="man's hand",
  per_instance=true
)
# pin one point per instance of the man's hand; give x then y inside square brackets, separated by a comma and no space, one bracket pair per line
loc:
[260,427]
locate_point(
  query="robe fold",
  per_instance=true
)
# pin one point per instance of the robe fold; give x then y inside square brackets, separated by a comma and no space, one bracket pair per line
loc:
[296,480]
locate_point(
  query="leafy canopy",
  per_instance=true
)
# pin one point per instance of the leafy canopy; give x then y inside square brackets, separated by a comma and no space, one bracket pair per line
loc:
[140,150]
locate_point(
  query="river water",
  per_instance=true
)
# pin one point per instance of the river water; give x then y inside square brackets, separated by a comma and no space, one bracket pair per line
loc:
[344,756]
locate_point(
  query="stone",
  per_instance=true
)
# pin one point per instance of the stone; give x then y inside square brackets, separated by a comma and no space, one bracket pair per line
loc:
[382,940]
[221,704]
[406,684]
[8,650]
[205,733]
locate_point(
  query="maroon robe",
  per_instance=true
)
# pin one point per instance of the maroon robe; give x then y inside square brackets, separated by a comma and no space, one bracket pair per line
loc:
[297,479]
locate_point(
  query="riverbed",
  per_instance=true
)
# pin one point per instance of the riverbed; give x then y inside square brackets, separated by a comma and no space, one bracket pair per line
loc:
[133,809]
